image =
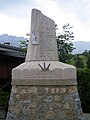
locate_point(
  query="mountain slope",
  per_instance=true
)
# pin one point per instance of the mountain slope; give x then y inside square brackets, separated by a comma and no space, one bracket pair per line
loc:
[13,40]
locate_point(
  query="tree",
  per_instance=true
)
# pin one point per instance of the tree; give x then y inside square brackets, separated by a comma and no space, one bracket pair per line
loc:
[64,44]
[24,43]
[78,62]
[88,62]
[83,79]
[86,53]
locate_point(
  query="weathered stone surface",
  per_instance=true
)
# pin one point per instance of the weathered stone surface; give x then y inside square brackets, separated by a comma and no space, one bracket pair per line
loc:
[62,115]
[43,44]
[53,90]
[23,91]
[62,90]
[29,73]
[14,90]
[32,90]
[57,90]
[50,115]
[66,106]
[57,98]
[41,106]
[72,89]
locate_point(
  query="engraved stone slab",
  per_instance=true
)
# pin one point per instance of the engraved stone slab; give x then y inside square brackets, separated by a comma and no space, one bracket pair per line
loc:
[30,73]
[42,44]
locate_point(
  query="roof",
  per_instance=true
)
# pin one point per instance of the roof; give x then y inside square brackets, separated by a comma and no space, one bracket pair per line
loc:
[12,51]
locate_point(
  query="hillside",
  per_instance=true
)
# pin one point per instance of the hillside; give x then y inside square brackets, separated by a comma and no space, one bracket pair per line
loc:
[13,40]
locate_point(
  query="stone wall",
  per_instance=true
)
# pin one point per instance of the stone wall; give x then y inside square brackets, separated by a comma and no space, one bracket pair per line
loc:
[44,103]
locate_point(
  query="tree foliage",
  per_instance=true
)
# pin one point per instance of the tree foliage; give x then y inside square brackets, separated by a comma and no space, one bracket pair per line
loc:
[83,79]
[23,44]
[78,62]
[5,89]
[85,53]
[64,44]
[88,62]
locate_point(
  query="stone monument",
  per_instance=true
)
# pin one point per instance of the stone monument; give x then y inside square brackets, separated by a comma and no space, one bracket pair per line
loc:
[42,87]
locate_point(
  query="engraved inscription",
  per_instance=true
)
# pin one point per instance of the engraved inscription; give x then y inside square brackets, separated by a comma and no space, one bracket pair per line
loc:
[43,44]
[46,45]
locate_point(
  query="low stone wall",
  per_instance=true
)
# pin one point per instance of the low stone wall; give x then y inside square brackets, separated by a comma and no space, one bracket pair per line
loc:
[44,103]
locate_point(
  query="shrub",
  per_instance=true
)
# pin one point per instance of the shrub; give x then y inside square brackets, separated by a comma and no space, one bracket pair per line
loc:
[88,62]
[83,79]
[79,62]
[4,97]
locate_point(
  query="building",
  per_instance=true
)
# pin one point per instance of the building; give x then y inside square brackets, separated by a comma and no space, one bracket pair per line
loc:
[10,57]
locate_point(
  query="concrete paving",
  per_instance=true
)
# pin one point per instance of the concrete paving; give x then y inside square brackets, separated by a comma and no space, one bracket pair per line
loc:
[87,116]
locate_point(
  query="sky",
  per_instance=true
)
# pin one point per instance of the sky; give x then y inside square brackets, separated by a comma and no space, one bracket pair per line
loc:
[15,16]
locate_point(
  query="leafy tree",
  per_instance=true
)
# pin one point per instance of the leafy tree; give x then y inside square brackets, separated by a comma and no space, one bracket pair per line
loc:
[78,62]
[24,43]
[5,89]
[88,62]
[64,44]
[83,79]
[85,53]
[89,51]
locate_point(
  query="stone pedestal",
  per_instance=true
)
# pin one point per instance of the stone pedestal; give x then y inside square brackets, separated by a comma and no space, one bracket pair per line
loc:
[42,87]
[44,94]
[44,103]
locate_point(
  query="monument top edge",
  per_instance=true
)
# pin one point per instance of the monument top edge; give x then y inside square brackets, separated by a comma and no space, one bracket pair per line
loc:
[34,9]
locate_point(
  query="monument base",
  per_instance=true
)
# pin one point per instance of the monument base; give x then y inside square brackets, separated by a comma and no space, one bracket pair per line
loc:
[40,92]
[44,103]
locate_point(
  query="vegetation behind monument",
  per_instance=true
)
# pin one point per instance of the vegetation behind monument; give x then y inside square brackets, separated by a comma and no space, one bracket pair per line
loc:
[83,79]
[64,44]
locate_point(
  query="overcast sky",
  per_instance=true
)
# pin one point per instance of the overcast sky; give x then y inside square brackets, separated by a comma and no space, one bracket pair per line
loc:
[15,16]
